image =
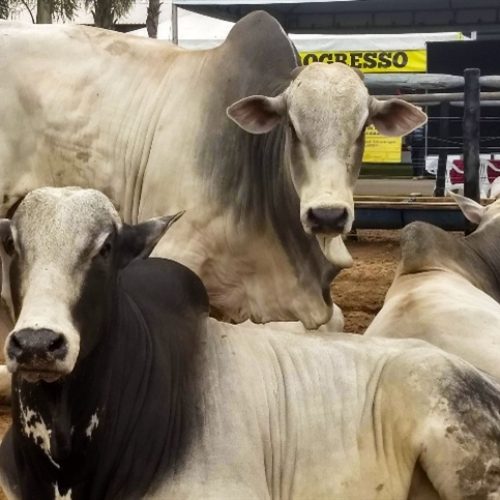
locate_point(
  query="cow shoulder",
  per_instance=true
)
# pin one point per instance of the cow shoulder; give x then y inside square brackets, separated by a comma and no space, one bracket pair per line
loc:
[170,301]
[163,287]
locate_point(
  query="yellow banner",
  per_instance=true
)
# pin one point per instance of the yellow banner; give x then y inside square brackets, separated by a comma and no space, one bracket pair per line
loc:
[381,149]
[373,61]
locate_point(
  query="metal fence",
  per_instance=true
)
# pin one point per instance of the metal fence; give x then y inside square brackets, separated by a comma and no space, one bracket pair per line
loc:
[449,133]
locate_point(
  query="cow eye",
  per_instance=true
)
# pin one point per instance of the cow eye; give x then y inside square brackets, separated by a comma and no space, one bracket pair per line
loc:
[8,244]
[105,250]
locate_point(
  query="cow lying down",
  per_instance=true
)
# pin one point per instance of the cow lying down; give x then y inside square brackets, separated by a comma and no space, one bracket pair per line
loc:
[447,289]
[124,389]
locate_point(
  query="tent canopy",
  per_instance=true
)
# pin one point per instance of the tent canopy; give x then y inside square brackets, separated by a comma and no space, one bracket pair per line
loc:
[201,32]
[362,16]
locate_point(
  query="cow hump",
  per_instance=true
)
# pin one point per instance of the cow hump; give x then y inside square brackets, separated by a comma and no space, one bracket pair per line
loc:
[425,246]
[259,41]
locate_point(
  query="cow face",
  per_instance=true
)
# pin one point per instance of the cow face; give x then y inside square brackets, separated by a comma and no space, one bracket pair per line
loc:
[326,109]
[65,247]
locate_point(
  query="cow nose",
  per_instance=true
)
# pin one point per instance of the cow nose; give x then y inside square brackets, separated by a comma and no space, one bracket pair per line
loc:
[327,220]
[40,346]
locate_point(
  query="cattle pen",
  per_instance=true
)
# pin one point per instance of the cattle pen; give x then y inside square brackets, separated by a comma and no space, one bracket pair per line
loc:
[373,212]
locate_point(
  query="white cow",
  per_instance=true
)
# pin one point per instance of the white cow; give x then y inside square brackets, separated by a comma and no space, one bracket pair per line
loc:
[447,289]
[124,389]
[267,191]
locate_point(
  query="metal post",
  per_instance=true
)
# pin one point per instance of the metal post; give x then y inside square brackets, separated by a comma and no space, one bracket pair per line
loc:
[175,24]
[471,134]
[444,133]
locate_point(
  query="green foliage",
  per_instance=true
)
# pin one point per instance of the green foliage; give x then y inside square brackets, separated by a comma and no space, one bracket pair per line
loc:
[107,12]
[63,10]
[4,9]
[104,12]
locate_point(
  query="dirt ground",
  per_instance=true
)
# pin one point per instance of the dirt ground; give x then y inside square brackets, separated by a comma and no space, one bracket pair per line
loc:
[359,291]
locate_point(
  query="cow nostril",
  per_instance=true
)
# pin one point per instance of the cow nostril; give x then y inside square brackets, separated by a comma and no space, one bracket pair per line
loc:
[15,347]
[37,345]
[326,220]
[57,344]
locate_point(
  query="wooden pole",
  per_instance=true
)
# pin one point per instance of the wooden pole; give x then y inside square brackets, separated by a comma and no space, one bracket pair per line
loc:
[472,114]
[444,133]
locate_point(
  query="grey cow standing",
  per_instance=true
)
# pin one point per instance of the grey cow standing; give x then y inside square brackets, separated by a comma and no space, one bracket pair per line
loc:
[267,191]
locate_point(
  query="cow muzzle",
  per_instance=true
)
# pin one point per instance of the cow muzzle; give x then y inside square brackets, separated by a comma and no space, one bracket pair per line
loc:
[325,220]
[37,354]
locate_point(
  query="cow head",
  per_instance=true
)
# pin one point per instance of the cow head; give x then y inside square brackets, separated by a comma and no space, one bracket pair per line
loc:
[66,246]
[326,109]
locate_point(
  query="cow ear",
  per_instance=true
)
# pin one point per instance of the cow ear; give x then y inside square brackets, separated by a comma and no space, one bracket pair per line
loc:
[395,117]
[472,210]
[137,242]
[257,114]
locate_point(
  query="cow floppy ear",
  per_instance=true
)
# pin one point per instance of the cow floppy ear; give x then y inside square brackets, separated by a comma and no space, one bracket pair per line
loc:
[472,210]
[137,242]
[257,114]
[395,117]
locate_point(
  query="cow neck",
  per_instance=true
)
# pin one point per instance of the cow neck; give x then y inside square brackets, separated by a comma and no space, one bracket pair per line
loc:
[276,203]
[115,423]
[484,245]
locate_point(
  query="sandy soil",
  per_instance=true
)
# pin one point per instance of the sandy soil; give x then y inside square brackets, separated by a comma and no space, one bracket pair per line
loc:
[359,291]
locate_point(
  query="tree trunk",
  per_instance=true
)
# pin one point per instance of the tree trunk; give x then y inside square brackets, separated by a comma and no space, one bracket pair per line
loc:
[103,14]
[153,18]
[44,12]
